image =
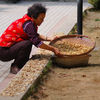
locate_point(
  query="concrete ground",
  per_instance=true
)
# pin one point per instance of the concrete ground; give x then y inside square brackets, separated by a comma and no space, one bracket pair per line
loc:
[60,18]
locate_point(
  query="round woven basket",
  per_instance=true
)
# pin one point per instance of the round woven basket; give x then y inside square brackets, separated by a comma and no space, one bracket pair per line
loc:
[70,62]
[74,45]
[80,56]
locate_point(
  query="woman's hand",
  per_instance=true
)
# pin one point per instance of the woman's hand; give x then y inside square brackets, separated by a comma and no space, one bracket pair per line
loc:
[51,38]
[55,37]
[57,52]
[48,39]
[51,48]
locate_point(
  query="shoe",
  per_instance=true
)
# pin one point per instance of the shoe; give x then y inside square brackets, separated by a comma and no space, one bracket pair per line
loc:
[14,69]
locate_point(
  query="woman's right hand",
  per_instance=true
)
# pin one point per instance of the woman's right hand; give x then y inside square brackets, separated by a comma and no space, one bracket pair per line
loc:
[57,52]
[51,48]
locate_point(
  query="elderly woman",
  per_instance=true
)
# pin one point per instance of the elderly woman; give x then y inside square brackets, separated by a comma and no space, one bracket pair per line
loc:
[17,40]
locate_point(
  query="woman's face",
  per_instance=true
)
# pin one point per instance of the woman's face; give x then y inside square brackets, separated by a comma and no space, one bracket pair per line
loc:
[39,19]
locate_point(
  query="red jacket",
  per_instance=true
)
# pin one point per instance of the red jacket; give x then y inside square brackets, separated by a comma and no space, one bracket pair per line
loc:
[14,33]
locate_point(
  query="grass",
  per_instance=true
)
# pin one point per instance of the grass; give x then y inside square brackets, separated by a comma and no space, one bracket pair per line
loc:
[74,29]
[97,19]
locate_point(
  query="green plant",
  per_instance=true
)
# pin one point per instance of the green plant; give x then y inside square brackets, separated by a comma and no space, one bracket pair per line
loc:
[74,29]
[95,3]
[97,19]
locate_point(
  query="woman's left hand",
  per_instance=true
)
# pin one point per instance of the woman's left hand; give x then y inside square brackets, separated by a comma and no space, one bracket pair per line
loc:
[48,39]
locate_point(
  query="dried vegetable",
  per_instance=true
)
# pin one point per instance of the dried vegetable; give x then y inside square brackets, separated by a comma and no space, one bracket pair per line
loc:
[73,46]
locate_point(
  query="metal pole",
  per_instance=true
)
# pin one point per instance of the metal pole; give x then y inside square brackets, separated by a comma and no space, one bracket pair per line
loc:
[79,16]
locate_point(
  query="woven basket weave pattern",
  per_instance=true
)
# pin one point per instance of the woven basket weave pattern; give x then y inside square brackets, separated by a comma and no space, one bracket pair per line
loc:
[73,45]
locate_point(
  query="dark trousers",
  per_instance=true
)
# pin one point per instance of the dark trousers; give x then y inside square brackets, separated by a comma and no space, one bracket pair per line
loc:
[19,51]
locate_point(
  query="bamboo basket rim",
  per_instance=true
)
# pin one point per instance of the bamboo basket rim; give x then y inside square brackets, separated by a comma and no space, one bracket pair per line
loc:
[73,36]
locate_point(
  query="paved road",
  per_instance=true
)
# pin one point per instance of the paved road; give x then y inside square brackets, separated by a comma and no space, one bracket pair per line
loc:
[60,18]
